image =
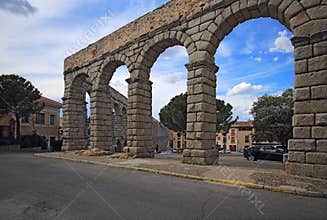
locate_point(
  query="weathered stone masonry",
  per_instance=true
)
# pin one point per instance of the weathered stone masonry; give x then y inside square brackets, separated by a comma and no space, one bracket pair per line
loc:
[119,124]
[200,26]
[119,120]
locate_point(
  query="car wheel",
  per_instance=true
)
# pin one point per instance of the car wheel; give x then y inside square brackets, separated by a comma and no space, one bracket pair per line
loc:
[252,158]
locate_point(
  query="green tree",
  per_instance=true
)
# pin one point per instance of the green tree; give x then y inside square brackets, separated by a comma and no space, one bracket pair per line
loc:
[19,97]
[224,116]
[173,115]
[273,117]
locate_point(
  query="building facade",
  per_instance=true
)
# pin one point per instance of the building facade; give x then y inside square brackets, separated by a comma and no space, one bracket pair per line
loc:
[45,123]
[179,141]
[7,129]
[238,137]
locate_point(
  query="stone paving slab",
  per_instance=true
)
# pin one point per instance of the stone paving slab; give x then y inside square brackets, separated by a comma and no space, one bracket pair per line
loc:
[271,179]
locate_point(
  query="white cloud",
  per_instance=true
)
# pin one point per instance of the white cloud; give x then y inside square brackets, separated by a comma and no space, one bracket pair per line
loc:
[35,46]
[118,80]
[165,87]
[276,59]
[224,49]
[59,8]
[258,59]
[39,43]
[174,53]
[242,105]
[244,88]
[51,86]
[283,43]
[249,47]
[19,7]
[242,97]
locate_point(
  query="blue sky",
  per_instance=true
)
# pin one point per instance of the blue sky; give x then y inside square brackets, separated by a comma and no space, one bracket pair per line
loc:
[255,59]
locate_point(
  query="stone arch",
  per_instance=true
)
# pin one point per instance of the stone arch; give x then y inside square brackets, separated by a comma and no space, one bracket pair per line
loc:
[75,115]
[293,14]
[308,24]
[159,43]
[101,104]
[140,90]
[79,82]
[110,65]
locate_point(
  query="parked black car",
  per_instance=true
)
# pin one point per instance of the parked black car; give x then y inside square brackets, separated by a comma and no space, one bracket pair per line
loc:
[264,153]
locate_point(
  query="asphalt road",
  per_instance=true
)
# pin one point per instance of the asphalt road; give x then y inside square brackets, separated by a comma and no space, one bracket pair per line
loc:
[39,188]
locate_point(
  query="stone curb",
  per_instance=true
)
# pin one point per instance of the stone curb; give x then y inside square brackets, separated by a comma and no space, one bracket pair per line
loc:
[206,179]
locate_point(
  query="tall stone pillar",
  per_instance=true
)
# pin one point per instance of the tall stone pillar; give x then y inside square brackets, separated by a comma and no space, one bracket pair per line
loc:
[139,114]
[308,148]
[74,118]
[124,126]
[201,114]
[101,119]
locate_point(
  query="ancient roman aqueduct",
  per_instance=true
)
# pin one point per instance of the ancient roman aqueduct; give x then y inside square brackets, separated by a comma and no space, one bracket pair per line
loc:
[199,26]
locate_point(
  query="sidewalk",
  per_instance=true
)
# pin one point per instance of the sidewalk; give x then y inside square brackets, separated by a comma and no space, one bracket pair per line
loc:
[270,179]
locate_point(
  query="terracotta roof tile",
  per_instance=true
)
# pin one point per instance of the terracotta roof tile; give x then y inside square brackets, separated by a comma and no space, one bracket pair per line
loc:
[50,101]
[243,124]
